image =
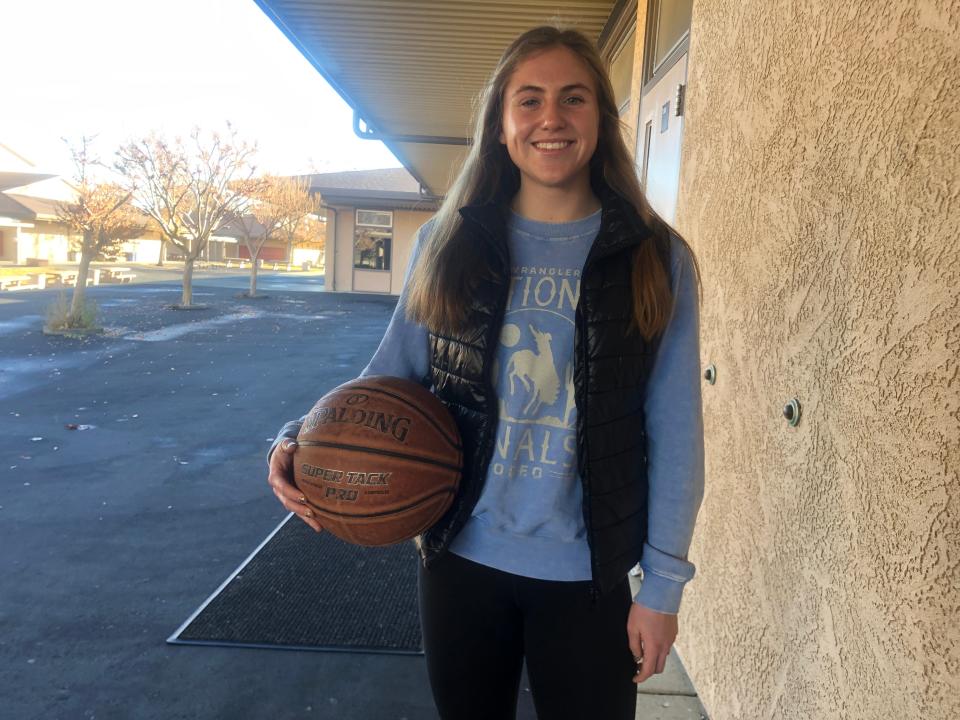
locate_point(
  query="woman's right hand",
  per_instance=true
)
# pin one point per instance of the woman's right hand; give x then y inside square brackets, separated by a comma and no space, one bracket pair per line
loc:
[281,481]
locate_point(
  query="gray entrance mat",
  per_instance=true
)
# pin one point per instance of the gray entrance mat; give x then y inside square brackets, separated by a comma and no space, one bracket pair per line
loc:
[306,591]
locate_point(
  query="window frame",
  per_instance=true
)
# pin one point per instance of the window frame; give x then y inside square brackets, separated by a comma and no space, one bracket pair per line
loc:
[373,226]
[652,75]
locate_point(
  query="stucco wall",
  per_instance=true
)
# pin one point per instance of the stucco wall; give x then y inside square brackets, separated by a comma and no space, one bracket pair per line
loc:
[343,251]
[45,240]
[819,188]
[406,223]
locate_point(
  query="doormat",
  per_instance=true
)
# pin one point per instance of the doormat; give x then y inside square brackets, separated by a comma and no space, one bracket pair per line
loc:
[301,590]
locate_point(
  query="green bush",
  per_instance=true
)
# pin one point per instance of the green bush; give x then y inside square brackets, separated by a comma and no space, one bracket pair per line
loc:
[59,318]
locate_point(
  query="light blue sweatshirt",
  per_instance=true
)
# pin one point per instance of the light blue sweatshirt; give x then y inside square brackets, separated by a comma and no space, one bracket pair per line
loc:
[528,520]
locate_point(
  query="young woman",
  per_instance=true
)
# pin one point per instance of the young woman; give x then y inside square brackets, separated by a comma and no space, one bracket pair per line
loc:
[556,316]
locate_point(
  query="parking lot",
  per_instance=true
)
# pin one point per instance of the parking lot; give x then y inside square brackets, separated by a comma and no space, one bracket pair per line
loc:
[114,532]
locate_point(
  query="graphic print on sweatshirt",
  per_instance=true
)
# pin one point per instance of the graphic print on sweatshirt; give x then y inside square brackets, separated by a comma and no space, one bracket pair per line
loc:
[532,488]
[534,370]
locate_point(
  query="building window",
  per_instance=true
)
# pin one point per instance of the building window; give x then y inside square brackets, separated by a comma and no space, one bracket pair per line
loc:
[372,238]
[668,26]
[621,74]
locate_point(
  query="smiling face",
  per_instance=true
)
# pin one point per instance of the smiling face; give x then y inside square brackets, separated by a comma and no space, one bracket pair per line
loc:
[550,121]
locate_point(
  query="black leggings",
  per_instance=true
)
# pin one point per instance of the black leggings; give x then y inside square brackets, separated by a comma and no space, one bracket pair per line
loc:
[479,623]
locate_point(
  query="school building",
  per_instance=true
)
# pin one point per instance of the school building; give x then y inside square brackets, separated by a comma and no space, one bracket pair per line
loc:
[31,232]
[807,151]
[372,220]
[29,228]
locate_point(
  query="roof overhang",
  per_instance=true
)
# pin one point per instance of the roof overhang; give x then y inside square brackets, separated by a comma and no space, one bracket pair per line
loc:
[10,180]
[14,211]
[411,69]
[14,222]
[378,198]
[39,208]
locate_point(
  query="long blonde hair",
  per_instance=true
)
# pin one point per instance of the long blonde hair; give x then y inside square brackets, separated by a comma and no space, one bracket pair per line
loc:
[448,265]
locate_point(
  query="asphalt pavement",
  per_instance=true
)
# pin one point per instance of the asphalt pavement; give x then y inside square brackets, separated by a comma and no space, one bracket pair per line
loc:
[113,533]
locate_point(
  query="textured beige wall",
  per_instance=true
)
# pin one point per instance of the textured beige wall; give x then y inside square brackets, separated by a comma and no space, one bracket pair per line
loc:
[406,223]
[343,250]
[636,81]
[820,191]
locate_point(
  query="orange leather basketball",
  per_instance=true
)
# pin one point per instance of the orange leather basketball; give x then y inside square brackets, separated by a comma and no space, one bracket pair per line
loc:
[379,460]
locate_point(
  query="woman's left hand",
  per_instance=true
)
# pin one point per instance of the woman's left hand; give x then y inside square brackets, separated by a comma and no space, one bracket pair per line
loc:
[651,634]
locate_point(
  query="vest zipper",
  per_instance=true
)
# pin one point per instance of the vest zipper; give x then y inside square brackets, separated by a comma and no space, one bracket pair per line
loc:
[492,418]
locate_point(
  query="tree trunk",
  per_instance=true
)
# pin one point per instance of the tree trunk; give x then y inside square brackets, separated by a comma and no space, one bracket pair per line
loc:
[253,276]
[80,289]
[187,298]
[163,251]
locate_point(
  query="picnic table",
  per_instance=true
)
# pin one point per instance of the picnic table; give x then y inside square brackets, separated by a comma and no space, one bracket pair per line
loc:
[116,274]
[69,277]
[25,281]
[63,277]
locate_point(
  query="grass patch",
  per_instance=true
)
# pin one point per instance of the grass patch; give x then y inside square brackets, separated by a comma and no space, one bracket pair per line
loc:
[59,317]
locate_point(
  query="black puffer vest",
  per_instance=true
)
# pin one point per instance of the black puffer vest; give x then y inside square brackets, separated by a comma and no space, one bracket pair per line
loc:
[611,364]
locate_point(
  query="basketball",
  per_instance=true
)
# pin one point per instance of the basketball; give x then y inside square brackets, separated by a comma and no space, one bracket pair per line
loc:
[378,460]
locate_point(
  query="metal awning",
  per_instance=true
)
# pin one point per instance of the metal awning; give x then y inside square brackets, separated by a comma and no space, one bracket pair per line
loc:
[414,67]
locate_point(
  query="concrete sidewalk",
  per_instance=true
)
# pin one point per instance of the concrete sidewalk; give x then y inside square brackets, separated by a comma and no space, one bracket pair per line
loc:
[117,530]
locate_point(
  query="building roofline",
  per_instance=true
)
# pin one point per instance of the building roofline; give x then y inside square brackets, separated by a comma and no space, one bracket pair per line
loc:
[16,154]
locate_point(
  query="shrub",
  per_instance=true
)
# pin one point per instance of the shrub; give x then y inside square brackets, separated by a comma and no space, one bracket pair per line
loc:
[59,318]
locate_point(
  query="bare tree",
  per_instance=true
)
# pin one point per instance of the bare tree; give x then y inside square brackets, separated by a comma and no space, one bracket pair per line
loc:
[274,204]
[253,223]
[271,209]
[313,233]
[101,217]
[294,197]
[188,190]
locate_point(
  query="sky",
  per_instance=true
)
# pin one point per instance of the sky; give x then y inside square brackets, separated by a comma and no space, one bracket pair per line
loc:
[119,69]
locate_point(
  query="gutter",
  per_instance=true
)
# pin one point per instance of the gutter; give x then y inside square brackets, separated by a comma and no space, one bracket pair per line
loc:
[363,130]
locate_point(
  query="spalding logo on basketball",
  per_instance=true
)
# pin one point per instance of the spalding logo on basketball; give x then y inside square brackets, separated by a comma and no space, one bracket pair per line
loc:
[379,460]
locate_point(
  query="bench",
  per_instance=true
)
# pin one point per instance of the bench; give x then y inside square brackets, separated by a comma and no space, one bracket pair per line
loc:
[8,283]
